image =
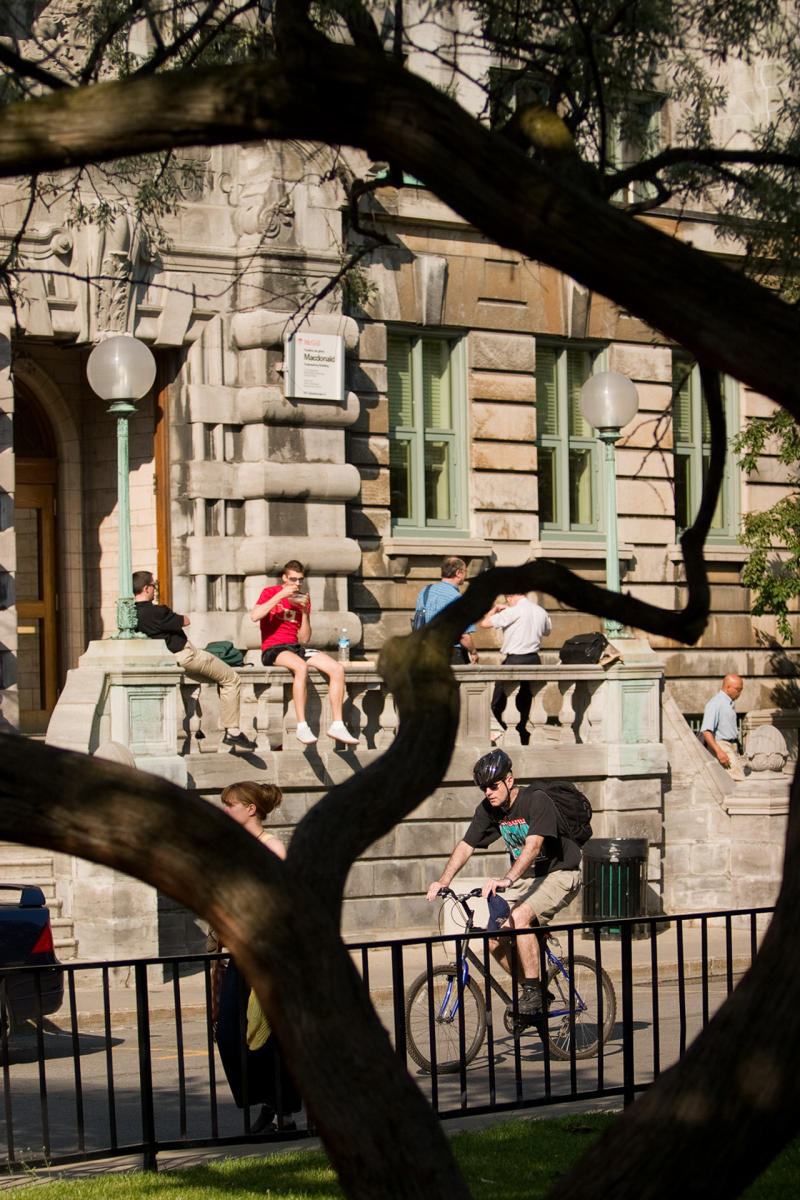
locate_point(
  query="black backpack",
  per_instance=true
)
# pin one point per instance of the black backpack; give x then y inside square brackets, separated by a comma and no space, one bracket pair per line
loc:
[583,648]
[419,618]
[573,810]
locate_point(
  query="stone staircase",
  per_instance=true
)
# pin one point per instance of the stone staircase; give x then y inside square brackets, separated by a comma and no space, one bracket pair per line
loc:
[28,864]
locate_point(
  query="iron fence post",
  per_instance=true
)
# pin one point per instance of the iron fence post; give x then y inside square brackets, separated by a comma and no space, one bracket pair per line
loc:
[626,967]
[149,1160]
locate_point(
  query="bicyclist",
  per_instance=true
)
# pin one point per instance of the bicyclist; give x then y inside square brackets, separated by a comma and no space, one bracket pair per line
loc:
[544,874]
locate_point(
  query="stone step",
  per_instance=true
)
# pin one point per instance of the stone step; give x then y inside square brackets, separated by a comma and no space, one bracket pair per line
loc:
[48,887]
[12,854]
[30,868]
[64,941]
[26,864]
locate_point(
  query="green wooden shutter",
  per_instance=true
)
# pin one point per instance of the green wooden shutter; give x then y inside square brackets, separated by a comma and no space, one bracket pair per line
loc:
[579,368]
[435,390]
[398,385]
[546,392]
[681,403]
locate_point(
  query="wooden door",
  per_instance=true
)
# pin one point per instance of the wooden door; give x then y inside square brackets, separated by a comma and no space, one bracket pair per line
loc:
[37,603]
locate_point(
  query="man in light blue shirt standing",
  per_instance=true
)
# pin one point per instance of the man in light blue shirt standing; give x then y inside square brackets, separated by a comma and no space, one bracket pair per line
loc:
[719,729]
[436,596]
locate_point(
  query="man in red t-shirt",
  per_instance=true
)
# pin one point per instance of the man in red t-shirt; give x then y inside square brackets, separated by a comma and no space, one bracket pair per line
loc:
[283,612]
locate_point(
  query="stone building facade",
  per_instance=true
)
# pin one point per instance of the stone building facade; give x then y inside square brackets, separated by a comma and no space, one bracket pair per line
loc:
[230,477]
[458,431]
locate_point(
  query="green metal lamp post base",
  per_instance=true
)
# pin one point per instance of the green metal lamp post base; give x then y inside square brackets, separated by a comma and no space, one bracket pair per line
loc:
[127,619]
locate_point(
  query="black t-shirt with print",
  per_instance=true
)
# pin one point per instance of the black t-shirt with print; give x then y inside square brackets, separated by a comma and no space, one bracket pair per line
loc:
[532,814]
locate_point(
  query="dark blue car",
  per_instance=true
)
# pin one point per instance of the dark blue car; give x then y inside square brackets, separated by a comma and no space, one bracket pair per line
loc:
[26,939]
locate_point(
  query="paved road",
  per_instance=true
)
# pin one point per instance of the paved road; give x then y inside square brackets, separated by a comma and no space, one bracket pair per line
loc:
[520,1071]
[82,1105]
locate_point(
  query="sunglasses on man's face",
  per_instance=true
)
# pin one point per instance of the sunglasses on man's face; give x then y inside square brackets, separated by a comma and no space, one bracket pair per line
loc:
[295,578]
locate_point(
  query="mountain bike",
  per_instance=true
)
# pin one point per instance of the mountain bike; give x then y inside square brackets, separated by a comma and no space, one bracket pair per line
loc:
[446,1006]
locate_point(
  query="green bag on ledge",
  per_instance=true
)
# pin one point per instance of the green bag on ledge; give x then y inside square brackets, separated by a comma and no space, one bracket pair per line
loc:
[227,652]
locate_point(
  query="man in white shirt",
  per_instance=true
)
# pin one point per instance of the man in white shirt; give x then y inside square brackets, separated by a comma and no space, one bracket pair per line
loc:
[524,624]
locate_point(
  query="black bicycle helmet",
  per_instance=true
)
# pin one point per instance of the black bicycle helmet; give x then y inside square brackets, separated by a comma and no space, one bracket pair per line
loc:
[492,768]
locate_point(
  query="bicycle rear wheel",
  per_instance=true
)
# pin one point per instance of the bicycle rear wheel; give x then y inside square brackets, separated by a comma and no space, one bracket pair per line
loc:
[591,1022]
[434,1017]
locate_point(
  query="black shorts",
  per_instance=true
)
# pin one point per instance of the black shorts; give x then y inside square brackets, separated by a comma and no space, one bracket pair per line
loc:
[269,655]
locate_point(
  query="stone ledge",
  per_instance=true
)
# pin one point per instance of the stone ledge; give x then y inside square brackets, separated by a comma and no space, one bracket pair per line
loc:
[580,550]
[436,547]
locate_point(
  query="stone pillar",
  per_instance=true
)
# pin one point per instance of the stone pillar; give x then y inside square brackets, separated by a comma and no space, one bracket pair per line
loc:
[125,691]
[262,478]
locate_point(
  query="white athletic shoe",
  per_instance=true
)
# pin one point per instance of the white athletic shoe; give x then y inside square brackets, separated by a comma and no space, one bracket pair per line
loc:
[304,734]
[341,733]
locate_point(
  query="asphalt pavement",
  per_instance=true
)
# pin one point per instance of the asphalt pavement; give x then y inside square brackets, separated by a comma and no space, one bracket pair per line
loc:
[705,961]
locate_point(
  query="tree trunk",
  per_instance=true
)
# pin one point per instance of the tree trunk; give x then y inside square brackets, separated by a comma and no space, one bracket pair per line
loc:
[715,1120]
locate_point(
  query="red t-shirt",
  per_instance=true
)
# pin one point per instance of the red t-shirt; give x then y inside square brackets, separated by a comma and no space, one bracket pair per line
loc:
[281,625]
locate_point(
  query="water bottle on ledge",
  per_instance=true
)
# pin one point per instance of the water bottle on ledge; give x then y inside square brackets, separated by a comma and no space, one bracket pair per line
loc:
[344,647]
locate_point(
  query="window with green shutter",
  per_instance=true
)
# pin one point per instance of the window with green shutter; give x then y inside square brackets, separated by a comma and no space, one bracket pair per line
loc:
[427,450]
[691,437]
[569,500]
[634,136]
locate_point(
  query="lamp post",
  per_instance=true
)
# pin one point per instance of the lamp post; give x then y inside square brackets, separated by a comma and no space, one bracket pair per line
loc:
[121,369]
[608,401]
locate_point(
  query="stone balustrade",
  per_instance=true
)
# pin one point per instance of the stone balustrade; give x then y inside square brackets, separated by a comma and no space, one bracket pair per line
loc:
[600,727]
[570,706]
[712,842]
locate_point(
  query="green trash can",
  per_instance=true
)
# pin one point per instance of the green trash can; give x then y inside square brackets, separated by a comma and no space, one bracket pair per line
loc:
[615,881]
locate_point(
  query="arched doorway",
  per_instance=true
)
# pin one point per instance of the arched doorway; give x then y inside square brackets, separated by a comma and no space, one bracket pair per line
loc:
[36,581]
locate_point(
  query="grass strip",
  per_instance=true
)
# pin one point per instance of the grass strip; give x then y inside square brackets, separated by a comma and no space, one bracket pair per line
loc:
[512,1160]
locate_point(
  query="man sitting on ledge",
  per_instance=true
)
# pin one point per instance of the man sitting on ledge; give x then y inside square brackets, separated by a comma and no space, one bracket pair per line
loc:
[283,612]
[158,621]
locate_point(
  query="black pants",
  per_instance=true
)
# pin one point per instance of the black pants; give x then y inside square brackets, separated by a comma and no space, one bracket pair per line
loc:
[524,698]
[254,1076]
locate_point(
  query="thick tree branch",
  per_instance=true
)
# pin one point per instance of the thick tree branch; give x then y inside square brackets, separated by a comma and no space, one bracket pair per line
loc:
[690,156]
[360,25]
[283,937]
[342,94]
[368,805]
[693,539]
[417,672]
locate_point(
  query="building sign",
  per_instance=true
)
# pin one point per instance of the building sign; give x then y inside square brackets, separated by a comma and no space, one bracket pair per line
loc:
[315,366]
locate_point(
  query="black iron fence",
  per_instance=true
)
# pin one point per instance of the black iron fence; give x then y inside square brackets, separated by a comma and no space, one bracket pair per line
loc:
[129,1066]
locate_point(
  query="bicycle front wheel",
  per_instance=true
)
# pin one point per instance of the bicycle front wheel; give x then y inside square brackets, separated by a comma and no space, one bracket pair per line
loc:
[592,1021]
[434,1017]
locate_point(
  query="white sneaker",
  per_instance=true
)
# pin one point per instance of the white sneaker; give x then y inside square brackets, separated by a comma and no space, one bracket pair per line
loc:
[339,731]
[304,734]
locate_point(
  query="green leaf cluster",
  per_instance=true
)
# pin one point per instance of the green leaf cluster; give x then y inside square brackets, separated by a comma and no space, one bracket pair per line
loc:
[644,89]
[772,571]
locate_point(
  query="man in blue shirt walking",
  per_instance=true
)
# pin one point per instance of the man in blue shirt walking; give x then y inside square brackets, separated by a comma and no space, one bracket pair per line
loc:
[436,596]
[719,729]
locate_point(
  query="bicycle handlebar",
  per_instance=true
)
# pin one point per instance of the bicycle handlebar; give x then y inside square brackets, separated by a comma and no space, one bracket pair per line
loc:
[446,891]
